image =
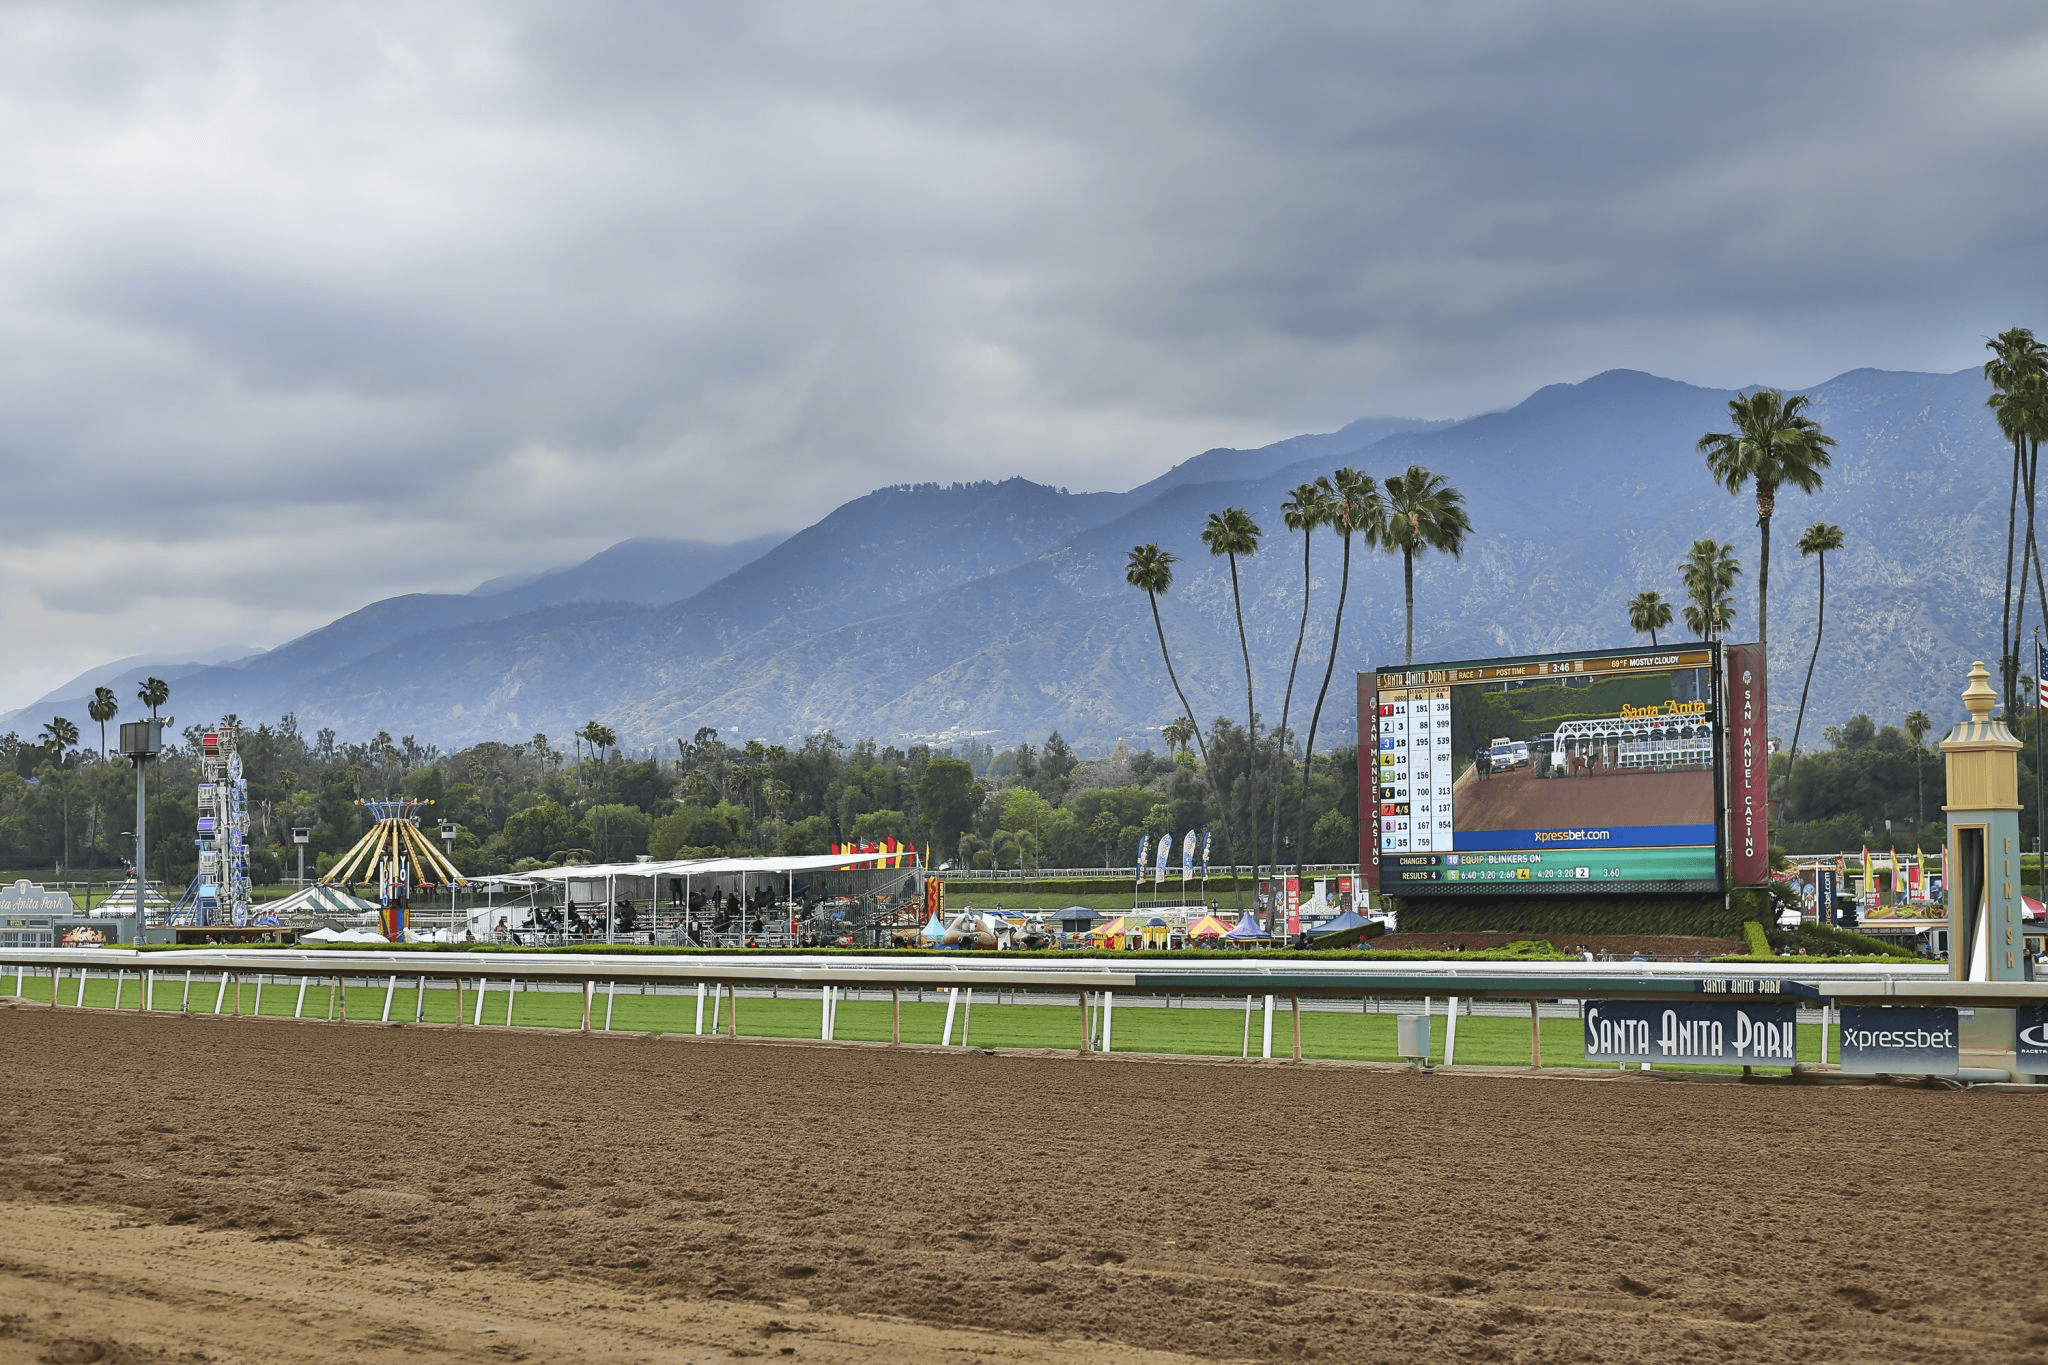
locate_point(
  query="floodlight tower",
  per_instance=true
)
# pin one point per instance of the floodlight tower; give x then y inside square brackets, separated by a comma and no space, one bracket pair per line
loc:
[141,741]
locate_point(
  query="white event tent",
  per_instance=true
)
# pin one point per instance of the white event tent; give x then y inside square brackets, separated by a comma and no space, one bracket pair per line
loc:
[590,881]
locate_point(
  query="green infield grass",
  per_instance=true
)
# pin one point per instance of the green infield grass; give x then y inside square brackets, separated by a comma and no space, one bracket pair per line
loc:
[991,1020]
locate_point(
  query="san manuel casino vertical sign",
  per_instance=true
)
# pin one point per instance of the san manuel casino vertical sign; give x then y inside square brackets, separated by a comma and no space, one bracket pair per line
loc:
[1749,766]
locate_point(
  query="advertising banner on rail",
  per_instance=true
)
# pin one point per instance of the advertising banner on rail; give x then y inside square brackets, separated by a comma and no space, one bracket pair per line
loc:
[1899,1041]
[2030,1040]
[1705,1034]
[1561,774]
[1749,760]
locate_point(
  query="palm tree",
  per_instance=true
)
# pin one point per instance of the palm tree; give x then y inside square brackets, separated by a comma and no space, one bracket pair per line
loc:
[153,693]
[1231,533]
[1817,541]
[1774,443]
[1917,726]
[1355,508]
[60,734]
[2018,371]
[1423,513]
[1709,571]
[1177,733]
[1310,505]
[102,708]
[1649,613]
[1149,569]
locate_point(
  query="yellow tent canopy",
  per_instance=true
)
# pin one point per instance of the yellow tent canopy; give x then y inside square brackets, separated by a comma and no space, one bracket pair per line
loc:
[1208,926]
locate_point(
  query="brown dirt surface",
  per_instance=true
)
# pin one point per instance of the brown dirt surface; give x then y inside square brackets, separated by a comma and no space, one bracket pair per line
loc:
[180,1189]
[1522,800]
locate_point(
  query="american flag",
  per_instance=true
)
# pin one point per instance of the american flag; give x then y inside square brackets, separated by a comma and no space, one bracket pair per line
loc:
[2041,674]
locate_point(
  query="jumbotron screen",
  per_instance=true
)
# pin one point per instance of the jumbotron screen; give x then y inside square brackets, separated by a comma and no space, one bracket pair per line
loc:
[1559,774]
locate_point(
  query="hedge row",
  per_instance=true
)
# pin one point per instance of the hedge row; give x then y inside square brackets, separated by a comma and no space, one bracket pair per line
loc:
[1821,938]
[1705,916]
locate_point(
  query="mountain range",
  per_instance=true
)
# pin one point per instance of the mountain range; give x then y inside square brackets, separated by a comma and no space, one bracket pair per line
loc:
[998,612]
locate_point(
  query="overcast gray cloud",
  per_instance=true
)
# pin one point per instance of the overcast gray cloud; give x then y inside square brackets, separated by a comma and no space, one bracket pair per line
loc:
[309,304]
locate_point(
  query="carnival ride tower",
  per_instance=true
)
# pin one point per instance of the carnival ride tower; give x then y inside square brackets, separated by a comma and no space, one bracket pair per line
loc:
[220,891]
[396,857]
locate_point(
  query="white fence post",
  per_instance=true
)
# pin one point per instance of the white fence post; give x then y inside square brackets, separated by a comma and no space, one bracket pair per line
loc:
[1451,1032]
[1108,1019]
[390,990]
[700,1009]
[1266,1033]
[952,999]
[300,1008]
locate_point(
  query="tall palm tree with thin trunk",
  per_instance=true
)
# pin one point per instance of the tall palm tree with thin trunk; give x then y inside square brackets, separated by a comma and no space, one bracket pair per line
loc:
[153,693]
[59,734]
[2018,371]
[102,708]
[1356,508]
[1774,443]
[1310,505]
[1917,726]
[1649,613]
[1231,533]
[1149,569]
[1817,541]
[1423,513]
[1708,572]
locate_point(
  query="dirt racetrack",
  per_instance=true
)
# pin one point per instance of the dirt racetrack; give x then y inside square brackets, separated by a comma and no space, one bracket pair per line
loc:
[1611,796]
[211,1189]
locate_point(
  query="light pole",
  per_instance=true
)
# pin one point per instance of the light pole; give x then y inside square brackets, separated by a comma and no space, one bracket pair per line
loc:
[141,741]
[449,829]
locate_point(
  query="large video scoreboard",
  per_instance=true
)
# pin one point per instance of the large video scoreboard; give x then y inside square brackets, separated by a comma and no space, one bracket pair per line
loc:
[1563,773]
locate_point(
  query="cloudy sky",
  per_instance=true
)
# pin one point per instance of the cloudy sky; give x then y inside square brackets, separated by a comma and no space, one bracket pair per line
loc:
[307,304]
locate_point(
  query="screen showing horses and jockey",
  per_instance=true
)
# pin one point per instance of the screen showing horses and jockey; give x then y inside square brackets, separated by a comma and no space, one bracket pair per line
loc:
[1558,773]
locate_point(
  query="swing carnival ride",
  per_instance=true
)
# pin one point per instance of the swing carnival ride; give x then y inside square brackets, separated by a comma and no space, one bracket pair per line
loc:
[397,857]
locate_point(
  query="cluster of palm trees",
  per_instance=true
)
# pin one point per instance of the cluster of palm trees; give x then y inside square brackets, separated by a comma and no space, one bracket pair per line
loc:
[1410,513]
[1773,444]
[2018,371]
[60,735]
[601,738]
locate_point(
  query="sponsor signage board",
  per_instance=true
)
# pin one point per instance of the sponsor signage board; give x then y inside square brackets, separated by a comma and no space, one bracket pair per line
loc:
[2030,1040]
[1749,757]
[1899,1040]
[1692,1032]
[27,898]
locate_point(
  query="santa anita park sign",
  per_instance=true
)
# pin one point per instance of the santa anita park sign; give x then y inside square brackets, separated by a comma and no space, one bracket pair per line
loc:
[1704,1034]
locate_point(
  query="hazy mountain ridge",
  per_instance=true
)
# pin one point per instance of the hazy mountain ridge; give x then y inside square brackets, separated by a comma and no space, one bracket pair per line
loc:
[999,610]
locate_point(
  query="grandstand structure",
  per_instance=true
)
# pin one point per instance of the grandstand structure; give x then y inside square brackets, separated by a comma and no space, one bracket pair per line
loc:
[1644,743]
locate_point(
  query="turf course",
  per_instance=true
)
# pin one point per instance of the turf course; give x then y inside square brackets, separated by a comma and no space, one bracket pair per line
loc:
[1017,1021]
